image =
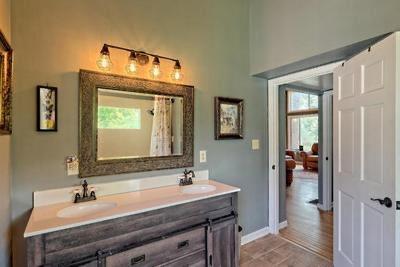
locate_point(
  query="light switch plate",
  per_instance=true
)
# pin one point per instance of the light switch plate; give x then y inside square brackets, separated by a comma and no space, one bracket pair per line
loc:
[255,144]
[203,156]
[72,165]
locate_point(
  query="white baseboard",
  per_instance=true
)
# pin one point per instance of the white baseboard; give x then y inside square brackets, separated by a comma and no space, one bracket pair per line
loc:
[322,207]
[260,233]
[283,225]
[255,235]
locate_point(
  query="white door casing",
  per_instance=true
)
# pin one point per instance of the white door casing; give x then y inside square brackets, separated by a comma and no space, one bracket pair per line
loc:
[273,136]
[327,100]
[364,133]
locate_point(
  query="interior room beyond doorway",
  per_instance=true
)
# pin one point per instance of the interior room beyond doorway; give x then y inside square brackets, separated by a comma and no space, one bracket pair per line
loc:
[307,224]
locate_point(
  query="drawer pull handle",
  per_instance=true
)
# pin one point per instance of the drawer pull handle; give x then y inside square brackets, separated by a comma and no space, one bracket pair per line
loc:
[138,259]
[183,244]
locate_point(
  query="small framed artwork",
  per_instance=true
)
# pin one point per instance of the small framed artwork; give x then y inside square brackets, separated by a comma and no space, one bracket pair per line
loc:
[228,118]
[46,108]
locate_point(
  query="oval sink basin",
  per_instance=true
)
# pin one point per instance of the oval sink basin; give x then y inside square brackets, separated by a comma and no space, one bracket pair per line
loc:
[198,189]
[84,209]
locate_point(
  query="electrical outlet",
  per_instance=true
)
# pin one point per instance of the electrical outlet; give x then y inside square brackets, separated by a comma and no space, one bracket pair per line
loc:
[203,156]
[72,165]
[255,144]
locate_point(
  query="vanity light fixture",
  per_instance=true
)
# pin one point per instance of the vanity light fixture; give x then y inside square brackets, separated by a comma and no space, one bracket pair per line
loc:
[131,67]
[136,59]
[176,74]
[155,71]
[104,62]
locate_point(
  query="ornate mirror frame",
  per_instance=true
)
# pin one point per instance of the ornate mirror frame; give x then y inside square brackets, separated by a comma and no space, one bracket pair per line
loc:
[89,165]
[6,57]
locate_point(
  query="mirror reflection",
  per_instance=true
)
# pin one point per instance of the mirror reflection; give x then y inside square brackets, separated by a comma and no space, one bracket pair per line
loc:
[135,125]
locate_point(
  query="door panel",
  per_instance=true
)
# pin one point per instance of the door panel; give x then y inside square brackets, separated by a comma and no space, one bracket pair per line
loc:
[346,86]
[372,76]
[372,143]
[372,236]
[346,142]
[364,134]
[346,233]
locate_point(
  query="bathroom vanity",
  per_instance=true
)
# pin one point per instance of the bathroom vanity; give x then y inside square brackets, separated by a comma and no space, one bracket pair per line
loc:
[139,225]
[168,226]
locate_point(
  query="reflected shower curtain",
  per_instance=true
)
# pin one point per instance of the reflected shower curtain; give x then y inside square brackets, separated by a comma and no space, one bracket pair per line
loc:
[161,131]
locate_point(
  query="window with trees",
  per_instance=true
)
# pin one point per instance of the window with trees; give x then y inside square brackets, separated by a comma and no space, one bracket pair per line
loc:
[302,120]
[118,118]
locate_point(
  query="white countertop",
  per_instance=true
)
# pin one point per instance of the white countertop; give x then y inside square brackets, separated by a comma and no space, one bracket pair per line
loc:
[44,219]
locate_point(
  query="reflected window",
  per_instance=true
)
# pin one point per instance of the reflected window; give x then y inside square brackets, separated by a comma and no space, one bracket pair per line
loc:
[118,118]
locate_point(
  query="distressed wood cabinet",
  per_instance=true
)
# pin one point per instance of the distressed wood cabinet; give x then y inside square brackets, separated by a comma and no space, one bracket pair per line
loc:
[200,233]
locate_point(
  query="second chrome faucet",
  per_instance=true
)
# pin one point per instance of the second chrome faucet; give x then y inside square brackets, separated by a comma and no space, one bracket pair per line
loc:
[187,178]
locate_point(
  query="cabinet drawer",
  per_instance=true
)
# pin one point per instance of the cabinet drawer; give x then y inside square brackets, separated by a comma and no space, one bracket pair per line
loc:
[159,252]
[197,259]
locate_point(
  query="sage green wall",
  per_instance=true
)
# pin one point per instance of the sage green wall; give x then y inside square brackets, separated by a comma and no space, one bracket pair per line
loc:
[5,164]
[285,31]
[54,39]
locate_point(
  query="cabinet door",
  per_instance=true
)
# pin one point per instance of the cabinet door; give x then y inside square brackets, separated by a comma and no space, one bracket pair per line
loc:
[224,240]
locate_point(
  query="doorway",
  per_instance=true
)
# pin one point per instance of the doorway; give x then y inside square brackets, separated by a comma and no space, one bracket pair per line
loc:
[303,138]
[275,194]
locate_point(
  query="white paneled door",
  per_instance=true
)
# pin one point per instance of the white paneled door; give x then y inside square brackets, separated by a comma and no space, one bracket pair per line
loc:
[365,140]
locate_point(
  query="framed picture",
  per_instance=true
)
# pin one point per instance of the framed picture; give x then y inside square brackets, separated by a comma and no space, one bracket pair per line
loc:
[46,108]
[5,85]
[228,118]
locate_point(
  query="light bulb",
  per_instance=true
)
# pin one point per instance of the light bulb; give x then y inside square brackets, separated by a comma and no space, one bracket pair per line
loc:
[155,71]
[176,74]
[131,67]
[104,62]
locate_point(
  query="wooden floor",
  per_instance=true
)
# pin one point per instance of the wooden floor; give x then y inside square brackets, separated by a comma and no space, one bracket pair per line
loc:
[307,225]
[274,251]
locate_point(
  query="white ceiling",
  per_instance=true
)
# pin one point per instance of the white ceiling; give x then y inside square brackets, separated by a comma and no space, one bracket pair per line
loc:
[320,83]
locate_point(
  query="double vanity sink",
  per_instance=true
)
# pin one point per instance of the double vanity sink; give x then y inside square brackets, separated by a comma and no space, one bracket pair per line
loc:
[193,225]
[89,208]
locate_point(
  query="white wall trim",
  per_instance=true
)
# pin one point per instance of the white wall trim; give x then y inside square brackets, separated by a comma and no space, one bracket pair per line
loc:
[260,233]
[60,195]
[283,224]
[327,132]
[273,135]
[254,235]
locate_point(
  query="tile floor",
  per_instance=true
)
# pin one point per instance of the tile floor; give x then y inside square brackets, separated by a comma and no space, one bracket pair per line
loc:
[273,250]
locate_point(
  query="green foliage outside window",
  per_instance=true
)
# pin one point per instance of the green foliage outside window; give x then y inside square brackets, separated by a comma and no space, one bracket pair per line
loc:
[118,118]
[308,131]
[302,101]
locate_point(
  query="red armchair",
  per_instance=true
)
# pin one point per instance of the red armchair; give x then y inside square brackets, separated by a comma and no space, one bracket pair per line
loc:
[310,159]
[290,166]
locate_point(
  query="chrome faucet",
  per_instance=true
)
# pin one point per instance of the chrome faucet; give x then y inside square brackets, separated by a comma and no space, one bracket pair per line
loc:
[187,180]
[85,196]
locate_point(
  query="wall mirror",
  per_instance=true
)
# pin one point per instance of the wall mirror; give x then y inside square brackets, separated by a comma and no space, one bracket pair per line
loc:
[131,125]
[5,85]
